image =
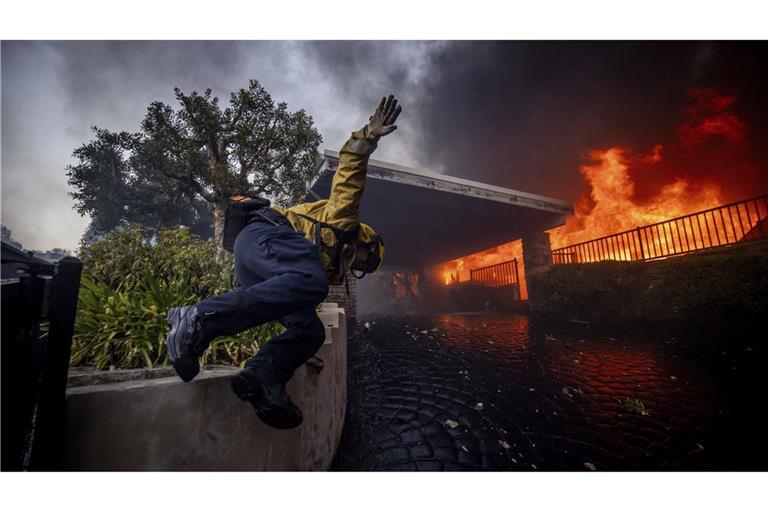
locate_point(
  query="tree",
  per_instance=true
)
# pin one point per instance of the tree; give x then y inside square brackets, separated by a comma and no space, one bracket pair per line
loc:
[101,179]
[114,185]
[7,236]
[198,155]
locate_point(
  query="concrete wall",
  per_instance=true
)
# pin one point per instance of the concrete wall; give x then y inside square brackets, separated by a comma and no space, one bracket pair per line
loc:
[164,424]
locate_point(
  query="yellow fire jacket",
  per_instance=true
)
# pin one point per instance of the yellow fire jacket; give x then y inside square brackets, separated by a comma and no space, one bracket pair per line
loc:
[342,208]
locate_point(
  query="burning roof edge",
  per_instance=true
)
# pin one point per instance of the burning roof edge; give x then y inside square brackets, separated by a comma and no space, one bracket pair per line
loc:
[426,179]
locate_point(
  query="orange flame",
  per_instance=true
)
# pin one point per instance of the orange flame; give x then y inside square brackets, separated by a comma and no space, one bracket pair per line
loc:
[610,207]
[710,138]
[684,177]
[457,271]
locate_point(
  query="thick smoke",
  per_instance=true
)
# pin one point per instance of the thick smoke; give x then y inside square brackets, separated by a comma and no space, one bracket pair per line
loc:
[53,92]
[526,115]
[518,114]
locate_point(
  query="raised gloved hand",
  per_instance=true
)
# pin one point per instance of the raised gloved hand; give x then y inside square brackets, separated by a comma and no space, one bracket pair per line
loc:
[382,122]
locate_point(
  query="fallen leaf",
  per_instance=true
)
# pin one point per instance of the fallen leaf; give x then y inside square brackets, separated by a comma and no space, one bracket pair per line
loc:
[634,405]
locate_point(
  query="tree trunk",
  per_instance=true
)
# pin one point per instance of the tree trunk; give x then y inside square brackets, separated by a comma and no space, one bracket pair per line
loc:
[218,225]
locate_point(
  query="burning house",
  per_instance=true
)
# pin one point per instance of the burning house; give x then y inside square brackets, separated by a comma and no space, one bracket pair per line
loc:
[427,219]
[478,240]
[695,190]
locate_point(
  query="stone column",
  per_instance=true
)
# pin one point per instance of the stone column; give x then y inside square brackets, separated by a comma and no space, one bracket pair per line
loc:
[537,258]
[339,295]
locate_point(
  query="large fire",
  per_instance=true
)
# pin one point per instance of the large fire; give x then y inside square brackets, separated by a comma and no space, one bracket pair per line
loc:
[628,190]
[456,271]
[684,177]
[610,207]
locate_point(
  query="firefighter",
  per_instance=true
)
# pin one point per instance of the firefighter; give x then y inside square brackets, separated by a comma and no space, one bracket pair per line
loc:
[285,259]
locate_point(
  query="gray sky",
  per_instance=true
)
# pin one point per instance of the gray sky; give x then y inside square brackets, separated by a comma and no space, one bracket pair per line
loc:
[518,114]
[52,92]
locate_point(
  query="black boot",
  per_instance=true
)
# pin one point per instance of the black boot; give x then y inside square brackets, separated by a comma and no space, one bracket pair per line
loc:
[268,397]
[186,341]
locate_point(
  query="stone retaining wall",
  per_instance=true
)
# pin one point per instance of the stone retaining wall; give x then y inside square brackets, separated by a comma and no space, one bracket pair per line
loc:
[165,424]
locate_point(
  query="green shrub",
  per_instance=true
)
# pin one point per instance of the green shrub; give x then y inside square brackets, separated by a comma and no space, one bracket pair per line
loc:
[703,285]
[608,288]
[130,280]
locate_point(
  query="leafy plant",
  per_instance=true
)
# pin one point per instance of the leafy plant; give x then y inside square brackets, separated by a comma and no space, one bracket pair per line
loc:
[130,280]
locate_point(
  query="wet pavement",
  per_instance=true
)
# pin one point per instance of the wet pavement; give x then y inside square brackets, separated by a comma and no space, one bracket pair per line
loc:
[515,392]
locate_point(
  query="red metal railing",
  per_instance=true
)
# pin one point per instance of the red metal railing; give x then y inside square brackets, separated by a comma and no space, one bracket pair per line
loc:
[733,223]
[500,274]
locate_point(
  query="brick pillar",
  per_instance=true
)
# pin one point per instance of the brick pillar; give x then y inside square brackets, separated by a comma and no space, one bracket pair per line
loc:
[537,258]
[348,302]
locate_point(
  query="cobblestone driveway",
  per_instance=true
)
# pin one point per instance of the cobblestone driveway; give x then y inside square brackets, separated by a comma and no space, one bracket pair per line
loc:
[512,392]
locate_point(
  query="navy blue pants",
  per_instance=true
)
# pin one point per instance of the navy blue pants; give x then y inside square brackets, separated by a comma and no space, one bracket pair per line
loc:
[280,277]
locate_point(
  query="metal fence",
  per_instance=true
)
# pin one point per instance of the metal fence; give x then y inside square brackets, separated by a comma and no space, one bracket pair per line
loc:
[39,302]
[500,274]
[733,223]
